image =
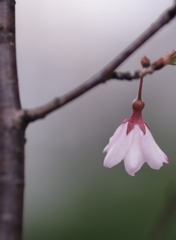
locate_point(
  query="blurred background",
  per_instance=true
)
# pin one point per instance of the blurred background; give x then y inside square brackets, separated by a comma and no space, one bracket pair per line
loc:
[69,194]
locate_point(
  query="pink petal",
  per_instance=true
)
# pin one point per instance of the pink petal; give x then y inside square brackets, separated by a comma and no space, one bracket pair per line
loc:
[154,156]
[118,146]
[134,159]
[114,137]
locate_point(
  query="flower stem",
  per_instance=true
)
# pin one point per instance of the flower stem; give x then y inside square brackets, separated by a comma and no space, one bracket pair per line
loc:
[140,89]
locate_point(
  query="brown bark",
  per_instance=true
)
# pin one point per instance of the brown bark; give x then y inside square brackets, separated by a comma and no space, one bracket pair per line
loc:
[11,130]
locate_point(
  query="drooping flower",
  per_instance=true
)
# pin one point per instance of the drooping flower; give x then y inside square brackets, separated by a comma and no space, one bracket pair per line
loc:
[134,143]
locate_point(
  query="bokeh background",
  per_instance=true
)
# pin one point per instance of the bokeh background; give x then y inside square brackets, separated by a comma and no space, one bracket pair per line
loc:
[69,194]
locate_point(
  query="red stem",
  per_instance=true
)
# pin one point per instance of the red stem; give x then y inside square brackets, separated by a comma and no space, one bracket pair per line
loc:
[140,89]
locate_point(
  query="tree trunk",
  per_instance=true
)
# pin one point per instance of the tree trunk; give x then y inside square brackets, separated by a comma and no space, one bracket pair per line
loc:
[11,130]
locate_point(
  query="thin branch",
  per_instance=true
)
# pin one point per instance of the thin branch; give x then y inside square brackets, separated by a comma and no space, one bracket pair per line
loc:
[148,69]
[105,74]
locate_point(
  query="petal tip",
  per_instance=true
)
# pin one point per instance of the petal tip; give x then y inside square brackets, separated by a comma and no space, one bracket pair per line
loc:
[166,160]
[106,165]
[105,150]
[132,174]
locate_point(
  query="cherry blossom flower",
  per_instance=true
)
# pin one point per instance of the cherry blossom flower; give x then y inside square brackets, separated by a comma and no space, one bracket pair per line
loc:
[134,143]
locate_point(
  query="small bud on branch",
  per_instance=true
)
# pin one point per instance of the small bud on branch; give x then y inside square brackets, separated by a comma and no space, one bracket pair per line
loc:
[173,58]
[168,59]
[145,62]
[162,62]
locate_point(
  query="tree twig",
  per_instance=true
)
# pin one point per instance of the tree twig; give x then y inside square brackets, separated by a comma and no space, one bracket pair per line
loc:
[105,74]
[148,69]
